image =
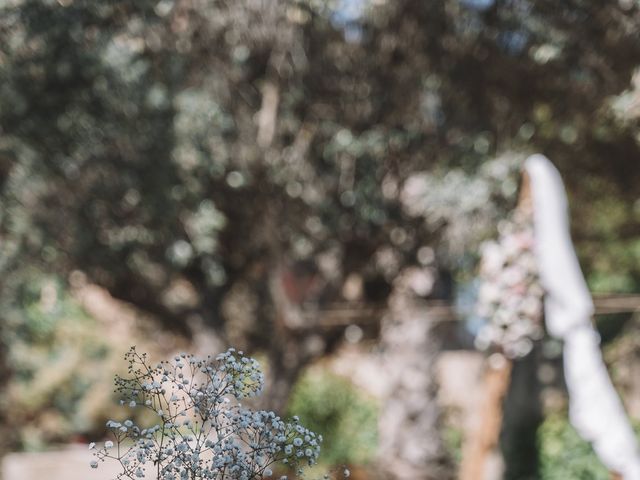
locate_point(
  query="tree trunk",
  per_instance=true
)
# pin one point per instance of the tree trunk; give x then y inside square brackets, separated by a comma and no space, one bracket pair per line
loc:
[481,445]
[289,351]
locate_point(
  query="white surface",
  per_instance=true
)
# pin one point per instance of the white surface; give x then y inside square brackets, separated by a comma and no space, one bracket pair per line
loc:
[67,464]
[595,409]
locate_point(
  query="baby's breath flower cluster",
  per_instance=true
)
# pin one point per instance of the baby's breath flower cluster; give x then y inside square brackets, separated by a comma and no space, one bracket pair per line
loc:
[202,430]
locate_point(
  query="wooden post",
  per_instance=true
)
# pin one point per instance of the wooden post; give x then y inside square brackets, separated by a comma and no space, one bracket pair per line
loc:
[486,434]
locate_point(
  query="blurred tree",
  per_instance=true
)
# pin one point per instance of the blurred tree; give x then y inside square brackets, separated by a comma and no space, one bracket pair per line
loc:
[209,160]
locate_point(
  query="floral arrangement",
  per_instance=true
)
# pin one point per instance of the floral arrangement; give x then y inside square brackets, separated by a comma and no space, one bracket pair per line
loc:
[510,295]
[202,429]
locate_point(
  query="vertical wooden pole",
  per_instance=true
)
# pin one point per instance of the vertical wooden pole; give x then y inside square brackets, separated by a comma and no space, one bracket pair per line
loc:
[485,436]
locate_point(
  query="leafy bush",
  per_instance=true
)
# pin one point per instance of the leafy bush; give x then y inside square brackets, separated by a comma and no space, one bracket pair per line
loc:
[333,407]
[564,455]
[61,365]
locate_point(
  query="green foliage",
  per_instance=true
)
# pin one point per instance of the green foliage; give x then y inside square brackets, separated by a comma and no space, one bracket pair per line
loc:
[334,408]
[61,365]
[564,455]
[608,242]
[139,127]
[453,438]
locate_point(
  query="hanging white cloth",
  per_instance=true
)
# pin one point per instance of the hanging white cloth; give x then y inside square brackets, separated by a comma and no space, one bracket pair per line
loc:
[595,409]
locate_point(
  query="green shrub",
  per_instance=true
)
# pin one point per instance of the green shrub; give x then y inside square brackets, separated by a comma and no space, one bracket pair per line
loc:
[61,366]
[347,419]
[564,455]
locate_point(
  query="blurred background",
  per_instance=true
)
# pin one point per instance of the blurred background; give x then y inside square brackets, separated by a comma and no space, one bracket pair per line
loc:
[310,181]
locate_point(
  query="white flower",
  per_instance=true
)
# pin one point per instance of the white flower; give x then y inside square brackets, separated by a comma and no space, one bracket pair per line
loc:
[94,464]
[92,445]
[489,293]
[492,258]
[209,399]
[510,296]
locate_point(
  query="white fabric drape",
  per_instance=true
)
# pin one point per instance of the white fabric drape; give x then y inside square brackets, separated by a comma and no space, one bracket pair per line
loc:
[595,409]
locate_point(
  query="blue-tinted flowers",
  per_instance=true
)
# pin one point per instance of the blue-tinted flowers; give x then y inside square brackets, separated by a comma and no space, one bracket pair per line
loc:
[203,432]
